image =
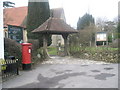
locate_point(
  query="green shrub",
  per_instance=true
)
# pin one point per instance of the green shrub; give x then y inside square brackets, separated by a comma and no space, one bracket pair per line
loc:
[35,44]
[12,48]
[35,47]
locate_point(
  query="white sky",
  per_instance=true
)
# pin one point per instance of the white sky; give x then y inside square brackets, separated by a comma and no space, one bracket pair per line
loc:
[77,8]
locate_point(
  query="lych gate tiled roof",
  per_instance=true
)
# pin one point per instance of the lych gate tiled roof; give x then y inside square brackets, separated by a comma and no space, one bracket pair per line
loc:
[55,26]
[15,16]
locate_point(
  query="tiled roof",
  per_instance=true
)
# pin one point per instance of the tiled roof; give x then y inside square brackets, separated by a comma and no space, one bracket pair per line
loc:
[55,26]
[15,16]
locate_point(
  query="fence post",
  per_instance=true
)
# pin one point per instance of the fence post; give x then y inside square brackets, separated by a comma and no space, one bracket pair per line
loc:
[17,67]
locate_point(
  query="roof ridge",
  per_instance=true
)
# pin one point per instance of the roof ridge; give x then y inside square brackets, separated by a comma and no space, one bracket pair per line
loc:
[16,7]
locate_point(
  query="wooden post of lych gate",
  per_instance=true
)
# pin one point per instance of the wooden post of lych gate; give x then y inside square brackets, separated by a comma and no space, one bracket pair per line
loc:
[45,51]
[66,52]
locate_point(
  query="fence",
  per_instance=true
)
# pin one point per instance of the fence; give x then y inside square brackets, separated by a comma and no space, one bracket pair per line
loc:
[10,69]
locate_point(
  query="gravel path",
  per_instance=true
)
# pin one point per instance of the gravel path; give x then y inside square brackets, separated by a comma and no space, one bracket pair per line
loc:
[70,60]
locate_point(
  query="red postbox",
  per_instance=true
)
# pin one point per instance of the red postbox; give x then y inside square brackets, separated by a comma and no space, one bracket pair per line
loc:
[26,56]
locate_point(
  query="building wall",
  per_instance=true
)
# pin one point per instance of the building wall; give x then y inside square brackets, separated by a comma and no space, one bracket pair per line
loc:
[6,32]
[1,31]
[57,39]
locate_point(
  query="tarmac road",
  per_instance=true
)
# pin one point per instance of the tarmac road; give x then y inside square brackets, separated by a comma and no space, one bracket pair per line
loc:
[67,72]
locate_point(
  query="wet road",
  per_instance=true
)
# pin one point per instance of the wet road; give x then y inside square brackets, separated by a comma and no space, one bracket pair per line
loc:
[67,72]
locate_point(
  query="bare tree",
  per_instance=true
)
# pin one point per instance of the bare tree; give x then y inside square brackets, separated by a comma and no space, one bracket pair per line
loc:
[7,4]
[100,23]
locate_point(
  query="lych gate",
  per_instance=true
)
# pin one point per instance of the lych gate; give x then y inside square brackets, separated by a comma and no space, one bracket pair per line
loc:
[55,26]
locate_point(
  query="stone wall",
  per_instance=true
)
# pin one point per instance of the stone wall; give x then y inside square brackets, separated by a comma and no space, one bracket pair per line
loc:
[107,56]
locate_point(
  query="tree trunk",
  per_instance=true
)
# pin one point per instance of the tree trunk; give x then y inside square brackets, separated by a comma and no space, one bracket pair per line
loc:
[45,51]
[66,52]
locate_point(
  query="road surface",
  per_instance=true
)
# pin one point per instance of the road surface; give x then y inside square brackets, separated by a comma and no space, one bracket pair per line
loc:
[67,72]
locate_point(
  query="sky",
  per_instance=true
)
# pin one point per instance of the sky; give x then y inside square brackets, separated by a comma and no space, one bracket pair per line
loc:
[107,9]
